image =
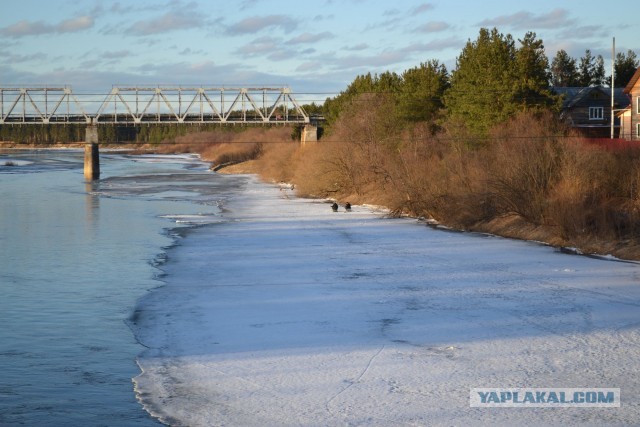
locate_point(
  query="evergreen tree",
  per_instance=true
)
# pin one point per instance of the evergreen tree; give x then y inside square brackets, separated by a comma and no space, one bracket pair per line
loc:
[386,82]
[480,93]
[591,70]
[564,72]
[625,66]
[599,77]
[585,69]
[420,97]
[493,80]
[533,75]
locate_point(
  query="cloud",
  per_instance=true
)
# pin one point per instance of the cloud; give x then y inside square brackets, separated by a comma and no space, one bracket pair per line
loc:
[557,18]
[584,32]
[382,59]
[76,24]
[424,7]
[13,58]
[311,38]
[309,66]
[170,21]
[433,27]
[26,28]
[248,4]
[359,46]
[257,23]
[261,46]
[188,51]
[115,54]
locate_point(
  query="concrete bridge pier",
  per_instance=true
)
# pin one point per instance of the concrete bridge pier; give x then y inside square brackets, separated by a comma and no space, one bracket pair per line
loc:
[309,134]
[91,153]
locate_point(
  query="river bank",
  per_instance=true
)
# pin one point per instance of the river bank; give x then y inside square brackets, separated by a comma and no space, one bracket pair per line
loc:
[513,226]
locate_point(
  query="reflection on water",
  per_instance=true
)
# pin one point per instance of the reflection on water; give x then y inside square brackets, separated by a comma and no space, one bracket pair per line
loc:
[92,203]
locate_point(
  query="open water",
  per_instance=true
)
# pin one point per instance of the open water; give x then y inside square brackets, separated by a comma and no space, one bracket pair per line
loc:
[74,259]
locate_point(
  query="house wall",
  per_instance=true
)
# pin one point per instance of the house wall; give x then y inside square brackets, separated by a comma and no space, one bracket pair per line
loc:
[579,116]
[595,98]
[635,112]
[625,125]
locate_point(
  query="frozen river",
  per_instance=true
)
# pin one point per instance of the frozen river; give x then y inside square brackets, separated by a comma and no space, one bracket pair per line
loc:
[289,314]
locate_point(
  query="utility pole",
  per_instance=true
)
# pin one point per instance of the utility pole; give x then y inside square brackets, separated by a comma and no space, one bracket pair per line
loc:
[613,79]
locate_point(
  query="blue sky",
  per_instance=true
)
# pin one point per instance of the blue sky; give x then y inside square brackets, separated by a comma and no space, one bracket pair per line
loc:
[312,46]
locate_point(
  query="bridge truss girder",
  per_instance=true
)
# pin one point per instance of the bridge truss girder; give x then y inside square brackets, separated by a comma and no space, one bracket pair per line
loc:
[40,105]
[149,105]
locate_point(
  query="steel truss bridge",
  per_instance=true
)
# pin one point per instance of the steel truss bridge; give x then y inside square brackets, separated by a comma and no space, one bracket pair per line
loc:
[135,105]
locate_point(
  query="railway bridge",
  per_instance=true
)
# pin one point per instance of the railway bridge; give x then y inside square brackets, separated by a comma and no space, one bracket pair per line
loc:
[157,104]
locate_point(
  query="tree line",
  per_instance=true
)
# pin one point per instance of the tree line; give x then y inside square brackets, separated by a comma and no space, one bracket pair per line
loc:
[494,78]
[35,134]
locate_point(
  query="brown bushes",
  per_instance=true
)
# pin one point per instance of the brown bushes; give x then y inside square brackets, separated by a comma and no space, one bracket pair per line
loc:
[597,193]
[227,146]
[524,160]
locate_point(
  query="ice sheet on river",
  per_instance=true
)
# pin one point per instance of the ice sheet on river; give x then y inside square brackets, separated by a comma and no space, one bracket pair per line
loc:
[290,314]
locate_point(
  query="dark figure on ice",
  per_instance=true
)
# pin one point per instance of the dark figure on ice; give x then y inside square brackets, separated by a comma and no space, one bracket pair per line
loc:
[334,206]
[347,207]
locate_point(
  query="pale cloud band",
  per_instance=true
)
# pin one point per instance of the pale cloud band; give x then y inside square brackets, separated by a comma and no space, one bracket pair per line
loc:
[26,28]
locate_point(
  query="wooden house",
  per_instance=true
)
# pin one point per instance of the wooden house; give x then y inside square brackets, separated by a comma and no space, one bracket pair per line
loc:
[630,117]
[588,109]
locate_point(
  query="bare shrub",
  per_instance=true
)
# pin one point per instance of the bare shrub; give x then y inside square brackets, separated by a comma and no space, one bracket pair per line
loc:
[276,162]
[364,143]
[597,194]
[525,158]
[322,170]
[230,146]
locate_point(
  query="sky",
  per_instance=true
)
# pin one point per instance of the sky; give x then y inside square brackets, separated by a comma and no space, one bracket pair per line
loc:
[315,47]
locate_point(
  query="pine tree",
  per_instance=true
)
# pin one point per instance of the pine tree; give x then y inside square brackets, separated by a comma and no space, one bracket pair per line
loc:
[494,80]
[533,75]
[585,69]
[625,66]
[599,77]
[420,97]
[564,72]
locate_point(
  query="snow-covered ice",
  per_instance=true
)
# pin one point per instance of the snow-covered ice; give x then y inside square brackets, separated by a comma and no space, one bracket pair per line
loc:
[290,314]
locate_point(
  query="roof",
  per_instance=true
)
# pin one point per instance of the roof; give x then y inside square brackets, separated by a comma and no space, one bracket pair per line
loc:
[633,81]
[573,95]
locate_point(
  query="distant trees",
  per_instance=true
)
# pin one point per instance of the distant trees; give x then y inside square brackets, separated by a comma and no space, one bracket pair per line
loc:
[590,71]
[416,95]
[385,82]
[566,72]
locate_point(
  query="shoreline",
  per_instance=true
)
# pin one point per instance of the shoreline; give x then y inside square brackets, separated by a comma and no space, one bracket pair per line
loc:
[511,227]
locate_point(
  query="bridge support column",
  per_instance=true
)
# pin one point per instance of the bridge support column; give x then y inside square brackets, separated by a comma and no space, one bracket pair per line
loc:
[91,154]
[309,134]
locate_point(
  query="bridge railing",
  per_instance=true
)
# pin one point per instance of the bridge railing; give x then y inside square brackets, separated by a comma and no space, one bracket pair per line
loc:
[151,104]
